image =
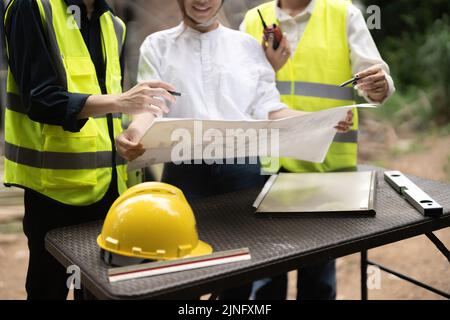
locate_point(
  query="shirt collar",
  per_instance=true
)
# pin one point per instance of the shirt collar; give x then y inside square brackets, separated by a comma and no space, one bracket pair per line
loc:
[182,28]
[283,16]
[100,6]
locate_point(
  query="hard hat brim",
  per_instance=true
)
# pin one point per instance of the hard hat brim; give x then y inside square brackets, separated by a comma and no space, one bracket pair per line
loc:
[201,249]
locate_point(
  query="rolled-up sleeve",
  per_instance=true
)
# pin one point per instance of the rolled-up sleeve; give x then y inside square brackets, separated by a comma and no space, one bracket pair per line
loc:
[363,50]
[44,98]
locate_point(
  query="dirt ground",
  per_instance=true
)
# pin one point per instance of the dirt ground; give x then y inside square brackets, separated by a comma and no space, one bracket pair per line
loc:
[416,257]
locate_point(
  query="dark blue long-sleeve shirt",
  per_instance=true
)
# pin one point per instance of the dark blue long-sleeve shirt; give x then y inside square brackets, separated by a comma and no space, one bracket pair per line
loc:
[45,99]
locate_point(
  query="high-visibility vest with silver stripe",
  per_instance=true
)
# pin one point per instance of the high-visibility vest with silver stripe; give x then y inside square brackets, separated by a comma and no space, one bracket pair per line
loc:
[72,168]
[309,80]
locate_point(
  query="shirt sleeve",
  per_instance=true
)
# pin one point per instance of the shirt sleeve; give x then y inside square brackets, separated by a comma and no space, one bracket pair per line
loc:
[268,98]
[363,50]
[148,62]
[43,97]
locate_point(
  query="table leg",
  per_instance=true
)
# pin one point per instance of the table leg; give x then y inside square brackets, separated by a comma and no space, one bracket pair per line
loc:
[439,245]
[364,294]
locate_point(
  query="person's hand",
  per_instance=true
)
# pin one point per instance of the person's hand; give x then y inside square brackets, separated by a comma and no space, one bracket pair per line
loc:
[146,97]
[373,82]
[279,57]
[344,126]
[128,146]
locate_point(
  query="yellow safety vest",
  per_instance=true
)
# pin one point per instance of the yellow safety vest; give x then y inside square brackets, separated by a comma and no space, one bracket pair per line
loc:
[309,80]
[72,168]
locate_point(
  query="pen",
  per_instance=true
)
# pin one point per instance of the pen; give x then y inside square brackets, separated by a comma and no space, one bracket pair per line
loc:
[174,93]
[346,83]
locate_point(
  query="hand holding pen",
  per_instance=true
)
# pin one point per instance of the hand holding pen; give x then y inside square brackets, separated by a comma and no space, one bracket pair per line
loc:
[372,81]
[149,96]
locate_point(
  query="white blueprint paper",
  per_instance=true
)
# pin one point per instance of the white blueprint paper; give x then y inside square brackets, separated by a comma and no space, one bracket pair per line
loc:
[305,138]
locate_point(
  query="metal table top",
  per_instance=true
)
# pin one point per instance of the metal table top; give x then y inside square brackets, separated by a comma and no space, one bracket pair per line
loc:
[277,245]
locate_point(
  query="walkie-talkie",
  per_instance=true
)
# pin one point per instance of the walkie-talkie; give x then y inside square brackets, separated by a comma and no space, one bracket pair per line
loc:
[274,30]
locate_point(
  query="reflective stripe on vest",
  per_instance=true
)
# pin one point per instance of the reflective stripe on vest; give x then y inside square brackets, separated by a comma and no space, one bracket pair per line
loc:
[72,168]
[309,80]
[60,160]
[348,137]
[319,90]
[119,27]
[47,17]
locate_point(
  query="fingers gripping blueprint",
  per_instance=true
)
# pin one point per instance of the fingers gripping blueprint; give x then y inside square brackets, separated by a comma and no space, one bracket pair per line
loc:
[305,137]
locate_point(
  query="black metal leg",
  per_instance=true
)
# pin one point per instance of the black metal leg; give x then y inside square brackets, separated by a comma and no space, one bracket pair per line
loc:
[438,243]
[364,295]
[365,263]
[411,280]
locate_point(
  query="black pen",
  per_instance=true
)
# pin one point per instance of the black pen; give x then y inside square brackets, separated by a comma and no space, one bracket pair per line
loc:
[174,93]
[346,83]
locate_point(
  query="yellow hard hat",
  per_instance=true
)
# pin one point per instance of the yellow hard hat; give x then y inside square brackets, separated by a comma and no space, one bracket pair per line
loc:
[153,221]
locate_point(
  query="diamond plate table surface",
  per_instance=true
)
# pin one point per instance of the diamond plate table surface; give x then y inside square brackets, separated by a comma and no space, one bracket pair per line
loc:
[276,244]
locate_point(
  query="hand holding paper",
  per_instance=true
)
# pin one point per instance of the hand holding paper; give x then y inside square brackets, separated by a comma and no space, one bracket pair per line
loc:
[306,137]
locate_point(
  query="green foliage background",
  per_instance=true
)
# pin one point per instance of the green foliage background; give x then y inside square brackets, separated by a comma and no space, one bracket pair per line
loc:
[414,39]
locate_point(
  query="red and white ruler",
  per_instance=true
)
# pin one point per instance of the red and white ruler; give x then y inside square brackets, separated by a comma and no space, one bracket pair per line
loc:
[163,267]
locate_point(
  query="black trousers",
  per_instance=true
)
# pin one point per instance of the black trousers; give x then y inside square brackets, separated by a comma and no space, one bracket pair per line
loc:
[46,277]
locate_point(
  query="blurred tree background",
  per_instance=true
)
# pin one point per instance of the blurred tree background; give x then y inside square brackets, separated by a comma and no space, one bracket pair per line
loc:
[415,41]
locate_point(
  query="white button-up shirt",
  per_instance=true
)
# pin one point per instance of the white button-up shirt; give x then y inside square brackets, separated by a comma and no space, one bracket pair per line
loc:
[363,50]
[222,74]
